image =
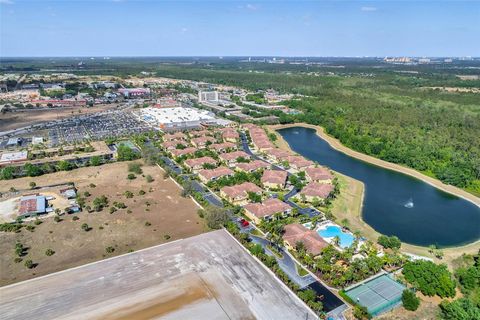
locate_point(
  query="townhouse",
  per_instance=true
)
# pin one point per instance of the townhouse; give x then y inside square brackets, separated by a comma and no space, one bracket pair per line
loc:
[207,175]
[315,191]
[319,174]
[238,194]
[252,166]
[266,210]
[295,233]
[274,179]
[231,157]
[199,163]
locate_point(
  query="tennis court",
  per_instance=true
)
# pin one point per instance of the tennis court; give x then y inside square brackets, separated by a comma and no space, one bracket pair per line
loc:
[377,295]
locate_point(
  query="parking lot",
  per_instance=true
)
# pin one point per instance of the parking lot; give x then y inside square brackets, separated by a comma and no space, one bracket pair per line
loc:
[96,127]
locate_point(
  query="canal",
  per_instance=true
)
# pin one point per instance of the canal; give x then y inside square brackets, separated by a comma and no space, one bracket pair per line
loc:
[395,203]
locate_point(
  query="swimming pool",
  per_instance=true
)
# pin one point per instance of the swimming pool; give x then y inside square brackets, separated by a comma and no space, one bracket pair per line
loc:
[346,239]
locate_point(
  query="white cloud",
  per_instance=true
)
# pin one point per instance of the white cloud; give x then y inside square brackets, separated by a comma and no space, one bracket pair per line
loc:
[249,7]
[183,30]
[368,9]
[6,2]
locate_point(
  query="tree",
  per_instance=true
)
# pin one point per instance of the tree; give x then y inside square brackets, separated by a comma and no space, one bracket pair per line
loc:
[149,178]
[49,252]
[410,300]
[431,279]
[124,153]
[389,242]
[460,309]
[85,227]
[99,203]
[7,173]
[109,249]
[29,264]
[257,250]
[32,185]
[216,217]
[135,168]
[64,166]
[254,197]
[131,176]
[95,161]
[32,170]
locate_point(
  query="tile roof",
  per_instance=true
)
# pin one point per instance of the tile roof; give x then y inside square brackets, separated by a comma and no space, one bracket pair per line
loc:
[311,239]
[241,189]
[267,208]
[316,189]
[274,176]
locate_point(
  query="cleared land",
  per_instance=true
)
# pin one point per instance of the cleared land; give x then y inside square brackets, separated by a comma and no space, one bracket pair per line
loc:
[171,217]
[209,276]
[15,120]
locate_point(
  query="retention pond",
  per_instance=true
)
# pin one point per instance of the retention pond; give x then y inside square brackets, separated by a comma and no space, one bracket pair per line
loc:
[395,203]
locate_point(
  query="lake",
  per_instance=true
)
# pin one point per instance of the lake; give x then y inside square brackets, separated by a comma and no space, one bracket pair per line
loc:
[395,203]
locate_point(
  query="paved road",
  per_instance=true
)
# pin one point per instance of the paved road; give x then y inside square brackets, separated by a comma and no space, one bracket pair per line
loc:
[286,263]
[311,212]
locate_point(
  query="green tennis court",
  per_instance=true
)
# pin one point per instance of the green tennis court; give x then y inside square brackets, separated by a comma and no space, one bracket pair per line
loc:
[377,295]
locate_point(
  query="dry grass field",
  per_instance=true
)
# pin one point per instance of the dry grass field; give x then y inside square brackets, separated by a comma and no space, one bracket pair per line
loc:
[158,216]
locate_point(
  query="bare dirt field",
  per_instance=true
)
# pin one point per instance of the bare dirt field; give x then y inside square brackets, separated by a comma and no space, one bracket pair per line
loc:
[209,276]
[15,120]
[158,216]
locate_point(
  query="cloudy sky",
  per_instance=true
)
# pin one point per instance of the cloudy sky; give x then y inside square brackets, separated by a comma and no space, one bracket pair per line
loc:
[232,28]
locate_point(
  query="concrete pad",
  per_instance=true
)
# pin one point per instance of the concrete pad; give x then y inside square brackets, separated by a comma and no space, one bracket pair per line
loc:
[209,276]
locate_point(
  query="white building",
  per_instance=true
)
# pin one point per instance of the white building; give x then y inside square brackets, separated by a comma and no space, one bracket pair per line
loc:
[207,96]
[175,118]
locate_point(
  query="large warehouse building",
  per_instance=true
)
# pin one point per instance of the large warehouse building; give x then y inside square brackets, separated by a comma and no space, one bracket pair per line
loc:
[171,119]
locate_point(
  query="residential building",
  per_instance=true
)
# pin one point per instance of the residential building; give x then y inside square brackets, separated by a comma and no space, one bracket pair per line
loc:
[201,142]
[274,179]
[231,157]
[238,194]
[32,205]
[319,174]
[266,210]
[252,166]
[299,162]
[182,152]
[223,147]
[295,233]
[174,136]
[208,175]
[278,154]
[315,191]
[197,164]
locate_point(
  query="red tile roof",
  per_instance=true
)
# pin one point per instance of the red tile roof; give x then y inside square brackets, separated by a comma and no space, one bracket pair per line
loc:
[319,173]
[234,155]
[241,190]
[274,176]
[210,174]
[181,152]
[316,189]
[253,165]
[311,240]
[267,208]
[200,161]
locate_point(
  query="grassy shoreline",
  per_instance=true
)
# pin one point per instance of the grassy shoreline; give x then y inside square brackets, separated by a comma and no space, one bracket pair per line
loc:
[345,207]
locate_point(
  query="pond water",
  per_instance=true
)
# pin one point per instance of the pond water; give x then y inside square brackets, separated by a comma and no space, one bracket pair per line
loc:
[395,203]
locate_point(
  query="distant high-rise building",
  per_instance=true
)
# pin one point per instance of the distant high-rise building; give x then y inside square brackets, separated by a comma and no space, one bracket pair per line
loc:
[207,96]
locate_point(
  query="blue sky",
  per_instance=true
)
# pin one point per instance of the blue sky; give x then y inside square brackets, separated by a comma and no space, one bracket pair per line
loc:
[233,28]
